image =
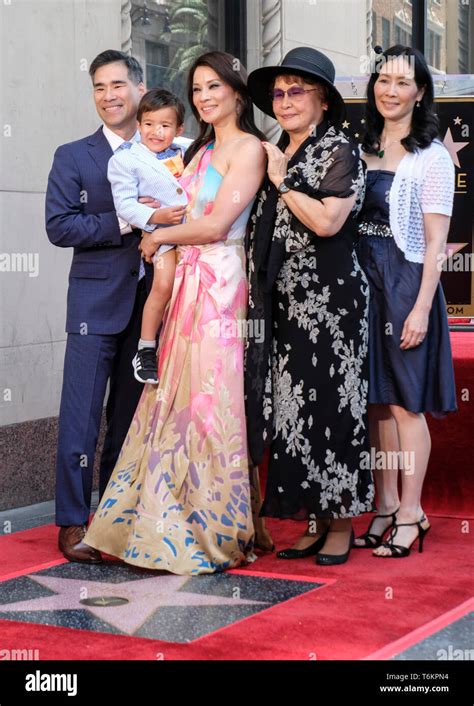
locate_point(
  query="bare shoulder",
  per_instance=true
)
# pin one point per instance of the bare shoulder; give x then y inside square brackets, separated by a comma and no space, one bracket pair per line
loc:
[250,143]
[248,139]
[246,149]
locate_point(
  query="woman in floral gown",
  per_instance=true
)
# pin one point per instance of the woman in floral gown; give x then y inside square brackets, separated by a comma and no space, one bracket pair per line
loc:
[307,378]
[179,496]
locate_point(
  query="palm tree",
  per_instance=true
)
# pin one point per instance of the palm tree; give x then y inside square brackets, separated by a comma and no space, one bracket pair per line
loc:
[189,22]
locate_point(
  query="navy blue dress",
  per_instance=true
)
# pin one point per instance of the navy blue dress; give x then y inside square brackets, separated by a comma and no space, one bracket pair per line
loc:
[420,379]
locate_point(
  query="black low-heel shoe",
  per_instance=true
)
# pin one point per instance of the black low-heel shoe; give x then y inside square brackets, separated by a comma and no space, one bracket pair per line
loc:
[302,553]
[332,559]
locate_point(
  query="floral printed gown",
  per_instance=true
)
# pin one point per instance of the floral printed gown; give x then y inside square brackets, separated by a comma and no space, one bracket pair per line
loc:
[179,497]
[307,382]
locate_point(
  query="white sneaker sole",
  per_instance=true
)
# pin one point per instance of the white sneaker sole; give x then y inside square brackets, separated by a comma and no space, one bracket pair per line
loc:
[149,381]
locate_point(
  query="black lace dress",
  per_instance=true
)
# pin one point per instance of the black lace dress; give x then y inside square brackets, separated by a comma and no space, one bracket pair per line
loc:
[307,381]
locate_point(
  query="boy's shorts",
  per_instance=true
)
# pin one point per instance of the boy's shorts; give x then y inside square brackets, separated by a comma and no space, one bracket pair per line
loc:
[161,251]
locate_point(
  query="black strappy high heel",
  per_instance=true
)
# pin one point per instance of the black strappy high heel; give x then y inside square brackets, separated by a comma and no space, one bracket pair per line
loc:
[397,551]
[372,540]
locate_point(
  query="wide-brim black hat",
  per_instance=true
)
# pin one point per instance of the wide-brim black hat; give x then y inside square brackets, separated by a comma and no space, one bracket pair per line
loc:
[305,62]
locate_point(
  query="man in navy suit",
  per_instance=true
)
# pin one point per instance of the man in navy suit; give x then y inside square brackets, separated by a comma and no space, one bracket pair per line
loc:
[105,298]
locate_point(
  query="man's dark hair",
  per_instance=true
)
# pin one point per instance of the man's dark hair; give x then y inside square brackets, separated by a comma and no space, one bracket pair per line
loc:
[158,98]
[110,56]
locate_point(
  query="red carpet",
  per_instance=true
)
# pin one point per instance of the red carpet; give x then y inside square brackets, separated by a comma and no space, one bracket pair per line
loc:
[449,485]
[365,606]
[368,608]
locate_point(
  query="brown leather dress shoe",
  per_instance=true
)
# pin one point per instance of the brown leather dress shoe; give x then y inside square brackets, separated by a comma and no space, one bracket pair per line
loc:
[74,549]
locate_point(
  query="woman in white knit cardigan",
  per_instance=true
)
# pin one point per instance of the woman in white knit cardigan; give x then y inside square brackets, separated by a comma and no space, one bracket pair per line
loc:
[402,237]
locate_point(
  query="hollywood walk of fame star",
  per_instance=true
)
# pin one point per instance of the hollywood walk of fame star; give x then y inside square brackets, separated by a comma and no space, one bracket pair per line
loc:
[453,248]
[453,147]
[145,597]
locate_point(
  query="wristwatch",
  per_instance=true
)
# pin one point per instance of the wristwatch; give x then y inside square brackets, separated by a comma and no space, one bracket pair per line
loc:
[283,188]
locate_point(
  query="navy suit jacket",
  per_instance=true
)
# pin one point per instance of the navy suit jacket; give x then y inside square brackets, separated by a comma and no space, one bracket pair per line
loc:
[80,214]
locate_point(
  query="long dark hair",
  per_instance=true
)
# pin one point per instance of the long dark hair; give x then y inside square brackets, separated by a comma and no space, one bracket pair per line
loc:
[424,122]
[230,70]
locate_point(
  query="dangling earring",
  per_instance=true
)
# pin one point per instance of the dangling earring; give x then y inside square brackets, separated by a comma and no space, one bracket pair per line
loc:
[417,104]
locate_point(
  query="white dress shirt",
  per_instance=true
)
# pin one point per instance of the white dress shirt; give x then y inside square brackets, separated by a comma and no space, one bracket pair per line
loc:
[115,141]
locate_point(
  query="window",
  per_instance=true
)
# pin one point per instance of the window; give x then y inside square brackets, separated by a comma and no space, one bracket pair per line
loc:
[433,49]
[457,35]
[402,36]
[394,22]
[167,37]
[157,60]
[385,33]
[437,51]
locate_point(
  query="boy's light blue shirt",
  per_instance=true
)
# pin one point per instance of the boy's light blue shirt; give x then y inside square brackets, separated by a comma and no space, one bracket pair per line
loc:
[137,172]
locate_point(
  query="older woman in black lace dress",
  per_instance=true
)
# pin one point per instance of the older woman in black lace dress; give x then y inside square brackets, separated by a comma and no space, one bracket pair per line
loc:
[306,381]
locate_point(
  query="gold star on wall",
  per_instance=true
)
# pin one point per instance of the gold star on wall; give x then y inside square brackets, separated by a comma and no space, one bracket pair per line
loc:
[453,147]
[453,248]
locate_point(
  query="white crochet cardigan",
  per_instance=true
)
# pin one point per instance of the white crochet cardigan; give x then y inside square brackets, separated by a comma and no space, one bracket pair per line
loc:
[423,183]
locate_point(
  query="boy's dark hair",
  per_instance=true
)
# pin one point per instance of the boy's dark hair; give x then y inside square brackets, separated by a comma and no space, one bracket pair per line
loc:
[110,56]
[158,98]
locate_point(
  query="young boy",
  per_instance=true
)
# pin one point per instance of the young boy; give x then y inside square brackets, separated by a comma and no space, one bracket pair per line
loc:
[151,168]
